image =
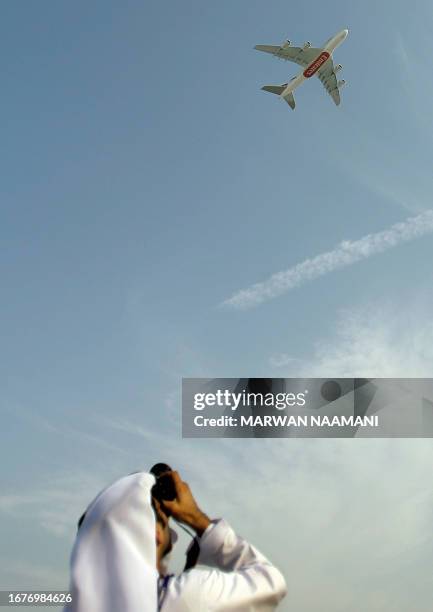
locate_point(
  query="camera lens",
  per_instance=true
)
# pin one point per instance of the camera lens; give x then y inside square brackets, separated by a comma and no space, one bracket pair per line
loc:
[159,468]
[163,489]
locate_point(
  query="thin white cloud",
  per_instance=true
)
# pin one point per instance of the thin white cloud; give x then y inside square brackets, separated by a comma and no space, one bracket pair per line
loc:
[16,573]
[347,253]
[8,503]
[59,428]
[374,341]
[282,360]
[55,505]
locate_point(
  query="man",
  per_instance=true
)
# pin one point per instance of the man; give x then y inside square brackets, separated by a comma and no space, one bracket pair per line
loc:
[117,563]
[241,579]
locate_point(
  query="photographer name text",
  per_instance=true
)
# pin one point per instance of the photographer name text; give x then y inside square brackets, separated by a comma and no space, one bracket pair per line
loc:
[285,420]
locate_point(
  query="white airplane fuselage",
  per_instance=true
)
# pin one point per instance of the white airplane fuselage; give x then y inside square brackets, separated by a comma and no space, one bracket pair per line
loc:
[314,66]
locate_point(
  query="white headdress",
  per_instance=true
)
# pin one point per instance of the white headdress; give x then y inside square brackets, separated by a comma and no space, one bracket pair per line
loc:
[113,562]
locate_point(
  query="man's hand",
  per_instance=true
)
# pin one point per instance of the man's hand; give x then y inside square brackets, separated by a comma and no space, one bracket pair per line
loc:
[161,516]
[184,508]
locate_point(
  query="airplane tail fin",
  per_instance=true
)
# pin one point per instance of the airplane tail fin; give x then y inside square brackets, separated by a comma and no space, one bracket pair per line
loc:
[278,90]
[275,89]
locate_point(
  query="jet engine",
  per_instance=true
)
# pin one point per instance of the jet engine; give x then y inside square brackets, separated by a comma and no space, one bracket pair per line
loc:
[341,83]
[307,45]
[337,68]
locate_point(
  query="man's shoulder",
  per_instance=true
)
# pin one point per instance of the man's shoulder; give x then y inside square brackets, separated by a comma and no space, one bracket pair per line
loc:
[187,588]
[191,579]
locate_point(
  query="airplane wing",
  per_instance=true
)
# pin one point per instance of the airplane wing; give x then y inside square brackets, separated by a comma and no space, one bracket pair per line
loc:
[329,80]
[298,55]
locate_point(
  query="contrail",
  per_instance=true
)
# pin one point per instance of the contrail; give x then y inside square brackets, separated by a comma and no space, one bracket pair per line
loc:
[345,254]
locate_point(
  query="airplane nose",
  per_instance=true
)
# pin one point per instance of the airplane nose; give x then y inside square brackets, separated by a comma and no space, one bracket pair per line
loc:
[346,32]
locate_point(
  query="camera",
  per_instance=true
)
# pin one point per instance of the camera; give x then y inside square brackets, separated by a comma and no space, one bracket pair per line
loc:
[163,489]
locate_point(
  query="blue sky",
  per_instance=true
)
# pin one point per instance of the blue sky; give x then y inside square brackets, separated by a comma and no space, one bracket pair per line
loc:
[146,179]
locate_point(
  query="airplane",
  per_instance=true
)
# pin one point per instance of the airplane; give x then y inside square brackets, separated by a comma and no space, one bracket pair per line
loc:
[313,61]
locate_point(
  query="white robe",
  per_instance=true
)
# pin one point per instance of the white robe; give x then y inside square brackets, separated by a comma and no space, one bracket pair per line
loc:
[241,578]
[113,562]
